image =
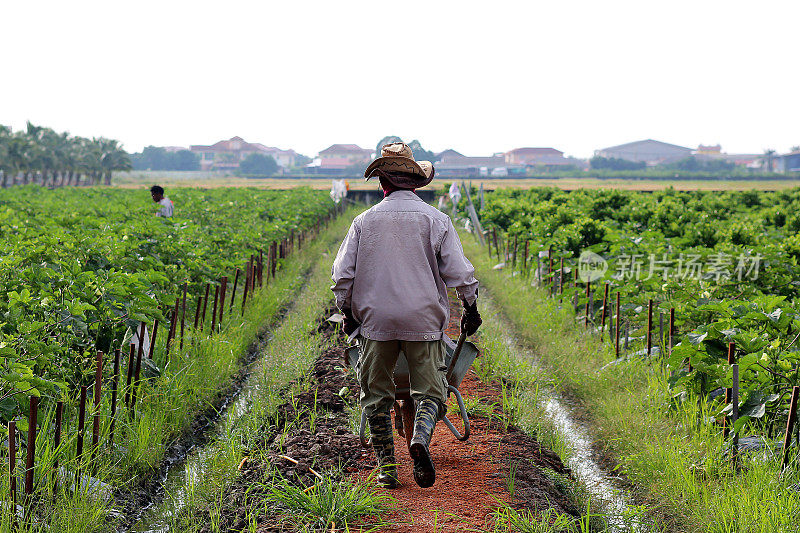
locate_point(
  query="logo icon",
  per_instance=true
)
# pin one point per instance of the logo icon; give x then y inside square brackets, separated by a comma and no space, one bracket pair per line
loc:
[591,266]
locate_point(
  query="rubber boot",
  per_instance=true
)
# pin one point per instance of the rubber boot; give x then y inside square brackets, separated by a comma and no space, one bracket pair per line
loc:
[424,423]
[380,428]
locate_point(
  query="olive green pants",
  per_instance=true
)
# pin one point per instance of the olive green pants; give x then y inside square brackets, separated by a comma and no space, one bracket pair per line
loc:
[376,372]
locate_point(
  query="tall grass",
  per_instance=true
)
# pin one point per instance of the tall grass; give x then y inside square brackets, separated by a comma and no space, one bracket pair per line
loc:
[679,467]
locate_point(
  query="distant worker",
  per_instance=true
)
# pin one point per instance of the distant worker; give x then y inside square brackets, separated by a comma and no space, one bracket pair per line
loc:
[157,192]
[391,276]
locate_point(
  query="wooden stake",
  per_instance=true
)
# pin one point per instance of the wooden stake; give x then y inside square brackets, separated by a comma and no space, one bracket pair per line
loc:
[603,313]
[649,326]
[98,380]
[30,452]
[617,328]
[561,278]
[173,326]
[728,390]
[114,393]
[81,417]
[153,339]
[183,313]
[735,417]
[671,326]
[790,422]
[197,312]
[214,310]
[586,318]
[12,464]
[205,307]
[131,363]
[235,284]
[222,297]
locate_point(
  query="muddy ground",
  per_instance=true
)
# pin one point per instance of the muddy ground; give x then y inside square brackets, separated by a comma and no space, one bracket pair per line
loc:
[473,477]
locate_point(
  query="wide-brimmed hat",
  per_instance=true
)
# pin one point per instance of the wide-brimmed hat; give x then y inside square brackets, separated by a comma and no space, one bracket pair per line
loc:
[397,161]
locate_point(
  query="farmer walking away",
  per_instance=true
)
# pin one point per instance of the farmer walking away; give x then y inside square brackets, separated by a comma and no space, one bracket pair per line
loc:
[157,192]
[391,276]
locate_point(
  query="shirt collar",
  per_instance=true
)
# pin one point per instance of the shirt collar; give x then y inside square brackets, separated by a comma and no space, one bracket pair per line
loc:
[402,194]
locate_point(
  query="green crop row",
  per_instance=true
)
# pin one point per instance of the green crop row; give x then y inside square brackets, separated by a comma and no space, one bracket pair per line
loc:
[727,263]
[80,268]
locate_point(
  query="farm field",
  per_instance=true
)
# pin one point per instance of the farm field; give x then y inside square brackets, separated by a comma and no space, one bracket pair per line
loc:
[83,271]
[135,179]
[662,391]
[585,416]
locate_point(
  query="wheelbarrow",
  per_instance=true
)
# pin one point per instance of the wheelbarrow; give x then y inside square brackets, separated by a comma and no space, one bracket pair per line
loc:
[458,359]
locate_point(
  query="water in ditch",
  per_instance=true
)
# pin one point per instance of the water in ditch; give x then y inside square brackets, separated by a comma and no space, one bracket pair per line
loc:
[181,477]
[605,489]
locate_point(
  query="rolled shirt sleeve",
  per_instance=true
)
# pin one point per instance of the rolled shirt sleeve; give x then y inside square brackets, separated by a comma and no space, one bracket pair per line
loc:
[344,267]
[454,267]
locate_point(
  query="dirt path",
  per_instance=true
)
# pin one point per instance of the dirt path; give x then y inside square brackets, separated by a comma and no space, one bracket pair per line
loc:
[472,476]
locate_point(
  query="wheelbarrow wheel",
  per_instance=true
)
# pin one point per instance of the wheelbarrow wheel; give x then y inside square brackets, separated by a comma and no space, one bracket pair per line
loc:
[408,411]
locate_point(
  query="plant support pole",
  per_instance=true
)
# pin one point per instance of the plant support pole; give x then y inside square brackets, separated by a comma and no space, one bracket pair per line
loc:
[790,422]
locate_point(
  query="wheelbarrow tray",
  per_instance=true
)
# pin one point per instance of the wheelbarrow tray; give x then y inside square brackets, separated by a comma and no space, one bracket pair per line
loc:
[401,374]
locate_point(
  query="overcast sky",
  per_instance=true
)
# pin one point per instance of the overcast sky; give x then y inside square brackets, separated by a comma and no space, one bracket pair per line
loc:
[480,77]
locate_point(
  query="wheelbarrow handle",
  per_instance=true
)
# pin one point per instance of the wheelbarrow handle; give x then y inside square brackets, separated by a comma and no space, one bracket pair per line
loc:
[463,411]
[456,353]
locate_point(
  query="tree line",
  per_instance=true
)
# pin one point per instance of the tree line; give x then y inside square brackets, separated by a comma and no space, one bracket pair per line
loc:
[49,158]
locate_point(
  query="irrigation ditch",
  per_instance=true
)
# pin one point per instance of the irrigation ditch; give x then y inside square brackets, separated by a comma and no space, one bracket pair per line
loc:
[305,445]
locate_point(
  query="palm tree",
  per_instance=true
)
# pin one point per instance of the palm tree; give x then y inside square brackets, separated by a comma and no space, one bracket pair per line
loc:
[112,158]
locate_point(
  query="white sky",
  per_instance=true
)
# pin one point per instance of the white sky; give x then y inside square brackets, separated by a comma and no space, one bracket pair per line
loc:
[479,77]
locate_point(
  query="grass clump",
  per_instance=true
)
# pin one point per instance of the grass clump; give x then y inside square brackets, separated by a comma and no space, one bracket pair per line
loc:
[332,502]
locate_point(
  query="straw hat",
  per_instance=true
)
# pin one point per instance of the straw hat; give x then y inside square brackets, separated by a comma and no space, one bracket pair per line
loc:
[397,161]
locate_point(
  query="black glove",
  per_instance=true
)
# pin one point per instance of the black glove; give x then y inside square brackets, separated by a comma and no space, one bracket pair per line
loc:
[471,319]
[350,324]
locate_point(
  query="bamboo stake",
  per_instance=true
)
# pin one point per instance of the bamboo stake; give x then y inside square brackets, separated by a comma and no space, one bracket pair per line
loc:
[586,318]
[649,326]
[98,379]
[671,334]
[617,329]
[197,312]
[12,464]
[153,339]
[790,422]
[131,363]
[81,417]
[603,313]
[249,268]
[114,393]
[728,390]
[30,453]
[222,297]
[550,272]
[235,284]
[735,400]
[183,314]
[205,307]
[214,310]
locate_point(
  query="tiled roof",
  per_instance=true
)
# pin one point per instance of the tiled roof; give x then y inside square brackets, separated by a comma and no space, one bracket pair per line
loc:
[345,149]
[535,151]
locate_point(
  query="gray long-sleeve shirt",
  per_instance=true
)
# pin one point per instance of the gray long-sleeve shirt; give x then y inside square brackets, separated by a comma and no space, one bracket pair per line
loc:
[394,267]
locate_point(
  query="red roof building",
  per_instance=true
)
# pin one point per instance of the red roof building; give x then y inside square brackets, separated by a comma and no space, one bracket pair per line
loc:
[344,155]
[529,156]
[226,155]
